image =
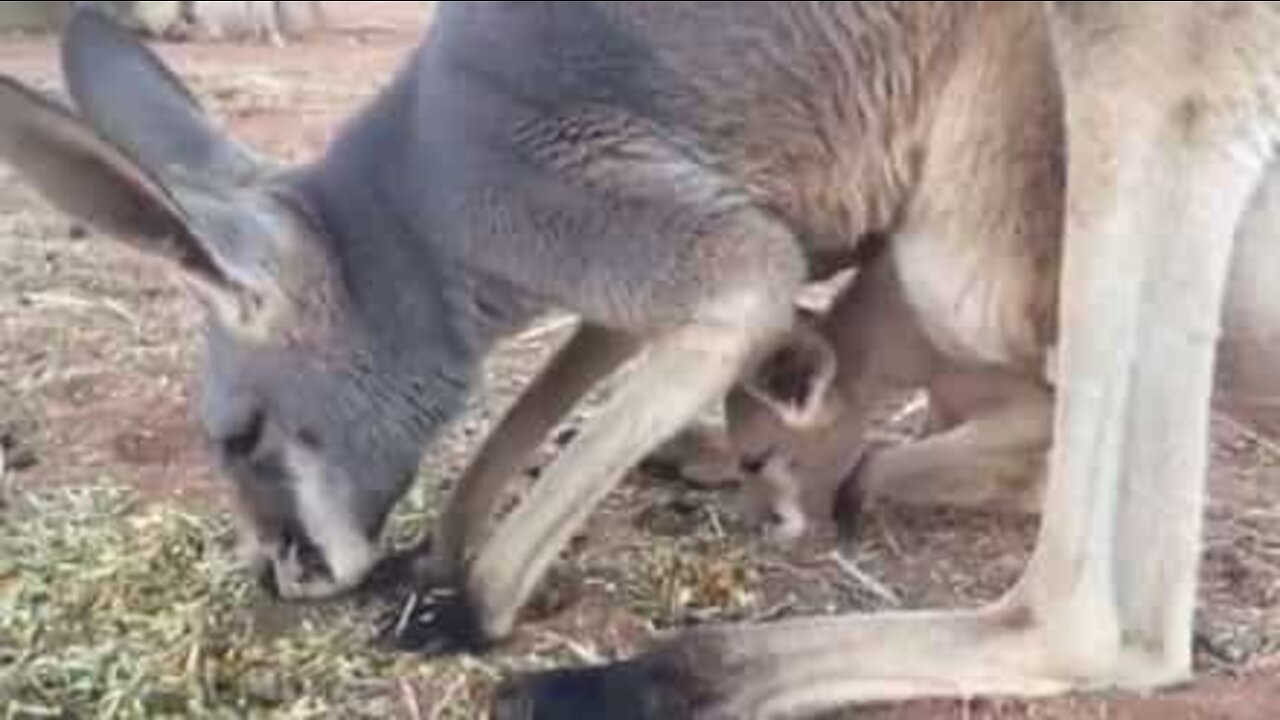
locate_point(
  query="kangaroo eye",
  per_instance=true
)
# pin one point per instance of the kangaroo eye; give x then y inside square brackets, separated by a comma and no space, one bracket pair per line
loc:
[755,464]
[310,439]
[246,439]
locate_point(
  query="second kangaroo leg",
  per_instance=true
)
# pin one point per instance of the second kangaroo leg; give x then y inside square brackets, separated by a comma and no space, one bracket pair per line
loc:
[1248,382]
[591,355]
[993,459]
[680,375]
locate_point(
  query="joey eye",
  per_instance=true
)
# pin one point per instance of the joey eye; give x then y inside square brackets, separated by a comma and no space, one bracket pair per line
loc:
[245,440]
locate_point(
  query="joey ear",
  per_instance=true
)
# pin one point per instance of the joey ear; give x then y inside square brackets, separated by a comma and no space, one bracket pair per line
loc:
[89,178]
[131,98]
[796,379]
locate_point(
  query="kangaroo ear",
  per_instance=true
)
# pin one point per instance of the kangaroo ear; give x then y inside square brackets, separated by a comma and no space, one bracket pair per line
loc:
[89,178]
[132,99]
[796,380]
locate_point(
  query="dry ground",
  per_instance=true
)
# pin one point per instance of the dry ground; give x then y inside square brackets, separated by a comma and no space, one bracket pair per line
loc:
[96,349]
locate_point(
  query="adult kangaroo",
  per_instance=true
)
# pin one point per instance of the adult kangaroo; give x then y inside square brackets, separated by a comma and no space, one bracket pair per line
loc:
[672,173]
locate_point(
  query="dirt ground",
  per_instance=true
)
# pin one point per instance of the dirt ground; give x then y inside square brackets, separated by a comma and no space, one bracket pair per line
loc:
[97,348]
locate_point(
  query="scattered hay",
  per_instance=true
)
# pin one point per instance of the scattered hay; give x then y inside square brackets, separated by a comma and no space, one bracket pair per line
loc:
[114,609]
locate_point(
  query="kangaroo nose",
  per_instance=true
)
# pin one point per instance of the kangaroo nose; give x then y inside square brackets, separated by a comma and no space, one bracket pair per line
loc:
[298,563]
[312,562]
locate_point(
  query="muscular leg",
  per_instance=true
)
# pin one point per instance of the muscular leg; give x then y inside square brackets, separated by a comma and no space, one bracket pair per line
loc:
[592,354]
[992,460]
[683,373]
[1156,194]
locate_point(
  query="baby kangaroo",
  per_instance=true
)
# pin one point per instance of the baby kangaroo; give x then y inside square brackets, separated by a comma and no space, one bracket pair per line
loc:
[796,427]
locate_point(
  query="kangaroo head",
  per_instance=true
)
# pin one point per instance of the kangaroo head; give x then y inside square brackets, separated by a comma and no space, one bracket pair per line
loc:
[323,376]
[777,419]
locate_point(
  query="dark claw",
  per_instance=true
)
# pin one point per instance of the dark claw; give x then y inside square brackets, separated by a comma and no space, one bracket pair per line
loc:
[400,571]
[267,581]
[646,689]
[850,501]
[438,623]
